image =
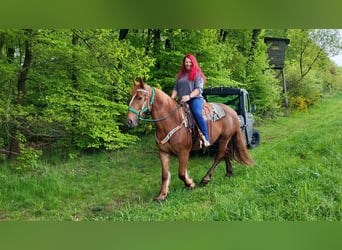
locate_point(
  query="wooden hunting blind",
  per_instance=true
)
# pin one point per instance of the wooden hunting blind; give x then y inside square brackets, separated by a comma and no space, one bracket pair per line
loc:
[276,51]
[276,55]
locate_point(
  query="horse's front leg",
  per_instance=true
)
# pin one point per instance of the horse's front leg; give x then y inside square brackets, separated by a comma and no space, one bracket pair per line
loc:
[183,158]
[166,176]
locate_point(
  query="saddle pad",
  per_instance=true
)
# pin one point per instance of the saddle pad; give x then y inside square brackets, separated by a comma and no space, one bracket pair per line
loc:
[218,112]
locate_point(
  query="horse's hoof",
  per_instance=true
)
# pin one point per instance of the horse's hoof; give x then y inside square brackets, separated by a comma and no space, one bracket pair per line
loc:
[192,185]
[204,182]
[160,198]
[157,200]
[228,175]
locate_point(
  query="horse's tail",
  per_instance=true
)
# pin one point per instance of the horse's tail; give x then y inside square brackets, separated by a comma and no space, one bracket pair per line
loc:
[238,149]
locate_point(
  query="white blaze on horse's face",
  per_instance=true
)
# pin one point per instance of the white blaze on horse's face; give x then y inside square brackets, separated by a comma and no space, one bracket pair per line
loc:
[136,107]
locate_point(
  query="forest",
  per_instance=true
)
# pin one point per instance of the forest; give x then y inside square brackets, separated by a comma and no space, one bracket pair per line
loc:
[68,89]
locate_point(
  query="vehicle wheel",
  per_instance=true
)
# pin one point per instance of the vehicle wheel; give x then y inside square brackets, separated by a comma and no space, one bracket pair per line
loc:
[255,139]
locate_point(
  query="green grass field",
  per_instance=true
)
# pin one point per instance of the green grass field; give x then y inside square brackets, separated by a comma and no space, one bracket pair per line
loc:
[297,177]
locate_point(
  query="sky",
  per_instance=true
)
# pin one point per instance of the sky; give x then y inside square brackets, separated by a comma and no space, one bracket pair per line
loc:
[337,60]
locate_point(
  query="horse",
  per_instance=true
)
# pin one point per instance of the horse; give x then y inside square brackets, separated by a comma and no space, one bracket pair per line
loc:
[173,136]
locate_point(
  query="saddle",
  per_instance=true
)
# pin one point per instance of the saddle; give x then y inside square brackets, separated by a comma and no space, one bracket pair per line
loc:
[212,112]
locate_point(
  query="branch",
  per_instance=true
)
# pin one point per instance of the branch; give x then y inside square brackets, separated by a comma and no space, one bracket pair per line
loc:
[7,152]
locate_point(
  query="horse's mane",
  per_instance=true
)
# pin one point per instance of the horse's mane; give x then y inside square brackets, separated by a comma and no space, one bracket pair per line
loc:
[167,100]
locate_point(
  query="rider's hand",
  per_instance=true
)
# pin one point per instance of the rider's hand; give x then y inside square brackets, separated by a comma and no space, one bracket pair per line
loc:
[185,98]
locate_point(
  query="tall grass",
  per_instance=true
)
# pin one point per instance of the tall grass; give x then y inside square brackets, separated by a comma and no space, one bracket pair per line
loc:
[297,177]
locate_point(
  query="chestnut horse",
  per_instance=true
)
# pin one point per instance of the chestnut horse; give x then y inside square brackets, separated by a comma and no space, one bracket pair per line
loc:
[174,137]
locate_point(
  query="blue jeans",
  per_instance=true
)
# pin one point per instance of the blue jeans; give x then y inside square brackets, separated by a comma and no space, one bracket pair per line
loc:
[196,105]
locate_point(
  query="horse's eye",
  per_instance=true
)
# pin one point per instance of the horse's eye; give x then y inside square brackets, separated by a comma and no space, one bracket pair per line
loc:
[139,98]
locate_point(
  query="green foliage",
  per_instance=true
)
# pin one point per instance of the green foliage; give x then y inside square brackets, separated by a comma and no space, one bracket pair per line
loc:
[77,89]
[2,144]
[307,91]
[78,82]
[308,71]
[335,85]
[297,177]
[28,158]
[263,87]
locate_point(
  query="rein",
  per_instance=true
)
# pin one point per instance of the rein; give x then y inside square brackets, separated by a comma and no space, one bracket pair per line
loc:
[162,118]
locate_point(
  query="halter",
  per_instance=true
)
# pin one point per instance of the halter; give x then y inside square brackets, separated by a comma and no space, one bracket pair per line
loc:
[144,108]
[148,108]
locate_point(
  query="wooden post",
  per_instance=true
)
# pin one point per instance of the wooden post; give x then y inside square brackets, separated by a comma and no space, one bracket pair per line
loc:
[284,89]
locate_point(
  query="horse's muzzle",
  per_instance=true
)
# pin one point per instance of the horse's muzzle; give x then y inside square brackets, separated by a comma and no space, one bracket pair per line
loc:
[131,122]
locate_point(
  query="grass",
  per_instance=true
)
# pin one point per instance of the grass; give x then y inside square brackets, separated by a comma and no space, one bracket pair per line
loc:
[297,177]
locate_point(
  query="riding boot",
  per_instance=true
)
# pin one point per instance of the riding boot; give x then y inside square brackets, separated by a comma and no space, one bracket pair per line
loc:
[206,143]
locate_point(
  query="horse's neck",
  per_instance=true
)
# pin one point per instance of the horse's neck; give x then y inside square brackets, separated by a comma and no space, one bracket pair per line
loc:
[163,106]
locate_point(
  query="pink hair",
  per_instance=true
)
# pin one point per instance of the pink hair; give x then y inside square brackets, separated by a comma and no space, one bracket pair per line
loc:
[194,69]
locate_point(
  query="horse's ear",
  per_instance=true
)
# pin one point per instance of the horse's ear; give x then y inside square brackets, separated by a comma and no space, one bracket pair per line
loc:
[141,83]
[135,83]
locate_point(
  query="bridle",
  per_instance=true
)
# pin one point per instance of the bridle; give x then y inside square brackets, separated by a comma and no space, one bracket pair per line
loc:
[147,106]
[144,107]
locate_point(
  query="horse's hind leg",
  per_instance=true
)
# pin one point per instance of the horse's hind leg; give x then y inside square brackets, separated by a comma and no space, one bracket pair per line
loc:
[222,153]
[166,176]
[229,168]
[206,179]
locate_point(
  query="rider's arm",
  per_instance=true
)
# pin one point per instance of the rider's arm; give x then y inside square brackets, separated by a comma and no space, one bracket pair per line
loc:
[174,94]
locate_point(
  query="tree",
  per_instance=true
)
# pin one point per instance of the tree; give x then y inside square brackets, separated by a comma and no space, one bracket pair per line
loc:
[308,47]
[72,88]
[69,88]
[307,66]
[16,64]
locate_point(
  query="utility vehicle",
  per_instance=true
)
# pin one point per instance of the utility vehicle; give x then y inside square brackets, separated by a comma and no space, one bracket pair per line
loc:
[238,99]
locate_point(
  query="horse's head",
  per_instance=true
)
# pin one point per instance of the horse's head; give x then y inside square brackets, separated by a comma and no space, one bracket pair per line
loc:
[141,102]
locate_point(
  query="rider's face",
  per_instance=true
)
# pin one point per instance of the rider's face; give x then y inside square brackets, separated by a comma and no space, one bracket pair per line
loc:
[187,64]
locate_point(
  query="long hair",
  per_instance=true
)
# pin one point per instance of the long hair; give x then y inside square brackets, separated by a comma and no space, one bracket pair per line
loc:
[193,70]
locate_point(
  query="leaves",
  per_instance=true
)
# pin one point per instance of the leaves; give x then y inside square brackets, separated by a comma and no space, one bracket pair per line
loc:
[79,80]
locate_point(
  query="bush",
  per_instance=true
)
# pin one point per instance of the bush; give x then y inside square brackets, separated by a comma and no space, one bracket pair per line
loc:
[28,157]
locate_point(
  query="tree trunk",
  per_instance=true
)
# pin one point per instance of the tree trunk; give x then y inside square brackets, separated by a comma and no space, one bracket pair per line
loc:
[223,35]
[157,45]
[74,80]
[148,41]
[255,37]
[254,41]
[21,87]
[1,46]
[23,74]
[10,55]
[123,34]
